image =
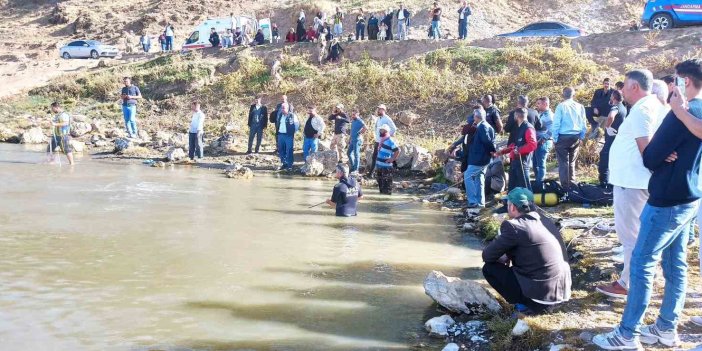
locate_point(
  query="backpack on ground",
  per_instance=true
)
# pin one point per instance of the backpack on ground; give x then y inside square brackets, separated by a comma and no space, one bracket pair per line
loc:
[591,194]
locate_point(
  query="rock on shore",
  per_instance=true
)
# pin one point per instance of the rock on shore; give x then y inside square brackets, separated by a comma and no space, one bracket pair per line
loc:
[238,171]
[33,136]
[458,295]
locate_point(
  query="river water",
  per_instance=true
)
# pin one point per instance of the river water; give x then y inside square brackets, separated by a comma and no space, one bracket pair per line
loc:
[107,256]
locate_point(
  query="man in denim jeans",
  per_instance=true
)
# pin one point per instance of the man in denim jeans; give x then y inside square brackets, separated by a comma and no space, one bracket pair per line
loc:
[544,140]
[130,95]
[436,21]
[665,220]
[482,146]
[358,128]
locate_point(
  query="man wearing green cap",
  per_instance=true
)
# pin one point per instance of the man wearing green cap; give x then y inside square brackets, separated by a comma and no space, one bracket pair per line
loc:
[527,263]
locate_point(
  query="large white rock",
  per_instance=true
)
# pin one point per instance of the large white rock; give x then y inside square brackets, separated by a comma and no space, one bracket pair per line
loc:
[144,135]
[451,347]
[33,136]
[78,129]
[439,325]
[324,145]
[520,328]
[459,295]
[238,171]
[328,159]
[404,159]
[421,160]
[452,171]
[407,117]
[175,154]
[313,168]
[116,133]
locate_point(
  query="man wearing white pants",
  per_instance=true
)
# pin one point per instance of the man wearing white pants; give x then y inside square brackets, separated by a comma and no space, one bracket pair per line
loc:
[627,172]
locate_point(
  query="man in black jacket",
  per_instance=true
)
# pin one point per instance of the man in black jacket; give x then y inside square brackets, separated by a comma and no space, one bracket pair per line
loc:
[258,120]
[388,22]
[492,113]
[600,103]
[532,117]
[527,263]
[214,38]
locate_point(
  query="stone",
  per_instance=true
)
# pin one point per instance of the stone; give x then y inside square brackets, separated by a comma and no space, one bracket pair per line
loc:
[78,146]
[586,336]
[323,145]
[144,135]
[452,172]
[451,347]
[116,133]
[33,136]
[312,168]
[454,194]
[468,227]
[100,143]
[161,139]
[59,14]
[441,155]
[421,160]
[439,325]
[404,159]
[8,136]
[178,140]
[96,127]
[78,129]
[458,295]
[328,159]
[159,164]
[407,117]
[520,328]
[553,347]
[405,184]
[175,154]
[79,118]
[122,144]
[238,171]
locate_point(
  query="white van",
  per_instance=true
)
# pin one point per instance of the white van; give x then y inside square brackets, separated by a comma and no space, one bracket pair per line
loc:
[200,37]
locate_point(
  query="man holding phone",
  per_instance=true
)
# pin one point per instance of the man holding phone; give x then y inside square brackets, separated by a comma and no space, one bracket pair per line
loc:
[130,95]
[671,156]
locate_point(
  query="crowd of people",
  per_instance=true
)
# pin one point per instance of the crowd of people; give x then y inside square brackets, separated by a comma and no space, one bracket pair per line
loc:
[650,160]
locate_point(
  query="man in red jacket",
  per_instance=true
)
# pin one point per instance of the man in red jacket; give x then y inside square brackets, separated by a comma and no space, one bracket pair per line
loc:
[520,152]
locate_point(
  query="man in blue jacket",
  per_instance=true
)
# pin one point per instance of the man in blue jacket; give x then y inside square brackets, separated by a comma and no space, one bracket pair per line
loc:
[463,14]
[664,231]
[482,146]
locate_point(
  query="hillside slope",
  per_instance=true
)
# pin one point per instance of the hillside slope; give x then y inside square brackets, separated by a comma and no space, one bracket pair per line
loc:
[28,56]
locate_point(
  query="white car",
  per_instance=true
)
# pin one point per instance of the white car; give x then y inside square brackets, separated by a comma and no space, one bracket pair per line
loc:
[87,48]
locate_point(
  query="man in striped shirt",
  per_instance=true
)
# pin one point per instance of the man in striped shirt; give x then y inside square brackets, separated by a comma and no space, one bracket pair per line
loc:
[387,154]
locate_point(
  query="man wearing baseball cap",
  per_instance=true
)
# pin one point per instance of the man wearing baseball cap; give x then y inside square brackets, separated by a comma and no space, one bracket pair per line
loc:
[341,122]
[382,120]
[527,263]
[387,154]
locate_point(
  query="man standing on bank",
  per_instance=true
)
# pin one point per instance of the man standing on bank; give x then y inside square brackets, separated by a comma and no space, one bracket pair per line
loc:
[130,95]
[346,193]
[286,126]
[383,119]
[341,122]
[258,121]
[527,263]
[568,130]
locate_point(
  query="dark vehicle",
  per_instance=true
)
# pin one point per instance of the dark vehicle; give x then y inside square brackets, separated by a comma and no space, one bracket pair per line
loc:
[666,14]
[546,29]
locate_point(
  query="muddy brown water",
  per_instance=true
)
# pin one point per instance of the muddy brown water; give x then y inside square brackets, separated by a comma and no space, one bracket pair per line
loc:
[107,256]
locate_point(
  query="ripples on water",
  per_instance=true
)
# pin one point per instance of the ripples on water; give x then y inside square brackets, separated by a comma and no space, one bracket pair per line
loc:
[127,257]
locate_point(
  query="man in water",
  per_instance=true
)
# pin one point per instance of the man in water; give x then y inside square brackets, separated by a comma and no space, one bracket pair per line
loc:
[61,123]
[527,263]
[387,154]
[346,193]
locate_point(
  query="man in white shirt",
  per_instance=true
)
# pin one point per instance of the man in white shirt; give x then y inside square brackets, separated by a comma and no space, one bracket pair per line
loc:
[627,172]
[197,127]
[402,22]
[383,119]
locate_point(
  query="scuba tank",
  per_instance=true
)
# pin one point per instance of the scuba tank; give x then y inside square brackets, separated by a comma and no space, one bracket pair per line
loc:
[546,199]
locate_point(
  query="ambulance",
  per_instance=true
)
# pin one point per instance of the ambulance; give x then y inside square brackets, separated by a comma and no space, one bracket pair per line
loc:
[200,36]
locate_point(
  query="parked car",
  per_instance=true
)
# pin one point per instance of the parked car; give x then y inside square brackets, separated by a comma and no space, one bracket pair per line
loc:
[666,14]
[87,48]
[545,29]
